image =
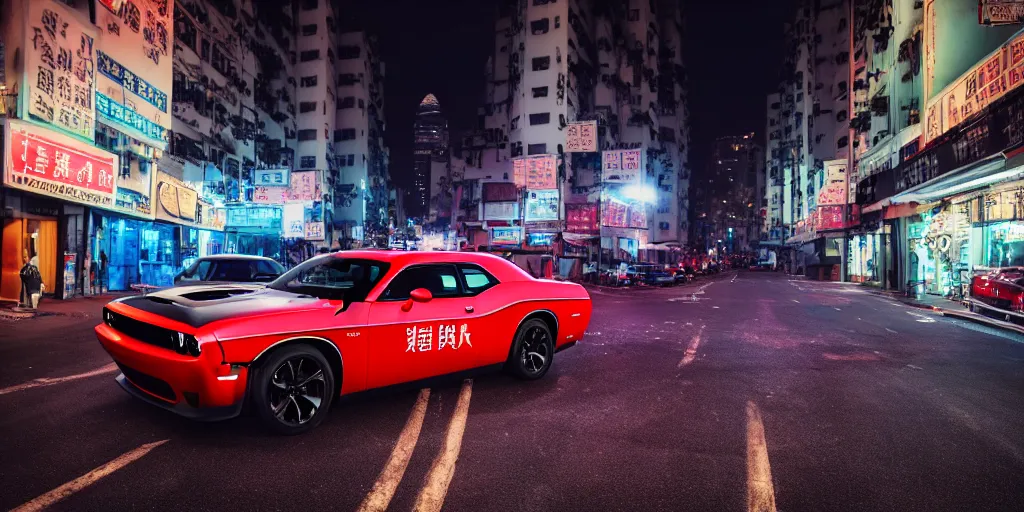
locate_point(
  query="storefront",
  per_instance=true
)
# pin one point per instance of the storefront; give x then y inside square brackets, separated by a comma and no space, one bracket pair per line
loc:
[133,252]
[255,230]
[47,176]
[939,249]
[198,224]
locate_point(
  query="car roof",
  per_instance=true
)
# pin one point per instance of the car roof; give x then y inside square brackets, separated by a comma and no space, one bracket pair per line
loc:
[235,257]
[502,269]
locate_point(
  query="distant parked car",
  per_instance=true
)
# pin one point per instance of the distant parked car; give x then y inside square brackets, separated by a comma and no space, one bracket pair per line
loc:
[230,268]
[1000,289]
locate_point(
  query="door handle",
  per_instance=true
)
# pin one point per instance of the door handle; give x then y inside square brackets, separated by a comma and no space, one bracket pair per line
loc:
[469,309]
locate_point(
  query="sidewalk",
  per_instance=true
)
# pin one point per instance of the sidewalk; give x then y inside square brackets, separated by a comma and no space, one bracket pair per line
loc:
[948,308]
[76,307]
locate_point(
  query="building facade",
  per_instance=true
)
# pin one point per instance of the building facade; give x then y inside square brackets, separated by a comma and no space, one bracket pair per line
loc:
[581,149]
[430,159]
[729,218]
[205,127]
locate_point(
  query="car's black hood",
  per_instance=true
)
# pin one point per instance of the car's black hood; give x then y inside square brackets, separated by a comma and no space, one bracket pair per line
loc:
[199,305]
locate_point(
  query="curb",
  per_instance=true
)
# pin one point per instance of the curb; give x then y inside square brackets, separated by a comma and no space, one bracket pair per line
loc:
[981,319]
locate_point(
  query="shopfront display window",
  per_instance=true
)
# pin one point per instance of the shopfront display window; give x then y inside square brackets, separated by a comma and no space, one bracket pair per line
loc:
[131,252]
[863,258]
[199,243]
[1005,244]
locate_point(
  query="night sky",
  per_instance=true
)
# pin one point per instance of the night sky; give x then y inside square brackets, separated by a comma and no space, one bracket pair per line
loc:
[733,51]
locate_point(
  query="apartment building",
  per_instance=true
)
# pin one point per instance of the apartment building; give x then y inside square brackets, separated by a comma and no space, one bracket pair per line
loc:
[615,66]
[363,191]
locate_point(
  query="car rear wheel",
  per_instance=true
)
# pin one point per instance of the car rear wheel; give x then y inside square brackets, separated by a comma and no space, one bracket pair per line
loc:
[293,389]
[532,351]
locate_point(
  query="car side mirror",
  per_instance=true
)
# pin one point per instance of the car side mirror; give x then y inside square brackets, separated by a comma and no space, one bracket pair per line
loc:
[417,295]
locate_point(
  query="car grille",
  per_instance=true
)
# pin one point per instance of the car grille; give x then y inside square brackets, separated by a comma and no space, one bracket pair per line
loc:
[146,333]
[148,383]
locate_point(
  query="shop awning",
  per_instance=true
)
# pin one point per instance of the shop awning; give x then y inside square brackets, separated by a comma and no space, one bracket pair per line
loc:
[982,173]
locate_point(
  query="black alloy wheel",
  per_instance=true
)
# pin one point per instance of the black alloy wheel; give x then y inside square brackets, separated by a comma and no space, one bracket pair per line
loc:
[294,389]
[533,350]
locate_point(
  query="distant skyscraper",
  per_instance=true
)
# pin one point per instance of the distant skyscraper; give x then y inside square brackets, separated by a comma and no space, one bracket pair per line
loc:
[430,143]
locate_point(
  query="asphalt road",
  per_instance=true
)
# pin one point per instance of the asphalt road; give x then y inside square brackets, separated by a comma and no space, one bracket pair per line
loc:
[748,392]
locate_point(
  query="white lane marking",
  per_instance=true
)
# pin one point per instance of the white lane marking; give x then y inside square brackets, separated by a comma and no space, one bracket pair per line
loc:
[794,300]
[890,330]
[691,349]
[837,309]
[49,381]
[58,494]
[435,485]
[734,278]
[384,488]
[760,491]
[714,307]
[921,318]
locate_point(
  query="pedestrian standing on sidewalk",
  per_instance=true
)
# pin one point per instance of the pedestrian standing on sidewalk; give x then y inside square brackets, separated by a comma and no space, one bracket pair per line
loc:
[103,272]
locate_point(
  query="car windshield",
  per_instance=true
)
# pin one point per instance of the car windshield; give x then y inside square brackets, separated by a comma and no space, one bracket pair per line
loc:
[334,278]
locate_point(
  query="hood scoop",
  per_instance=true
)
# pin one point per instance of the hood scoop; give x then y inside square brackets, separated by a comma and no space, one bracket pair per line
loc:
[221,294]
[160,300]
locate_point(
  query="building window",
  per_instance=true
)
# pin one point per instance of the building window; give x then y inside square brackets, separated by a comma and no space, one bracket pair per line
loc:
[309,55]
[347,102]
[307,162]
[351,160]
[204,50]
[362,104]
[307,81]
[541,63]
[514,123]
[540,92]
[542,118]
[348,52]
[307,135]
[634,15]
[667,134]
[538,27]
[307,106]
[348,134]
[537,149]
[309,30]
[309,5]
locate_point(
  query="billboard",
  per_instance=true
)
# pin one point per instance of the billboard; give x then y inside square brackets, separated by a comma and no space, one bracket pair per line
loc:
[501,211]
[834,191]
[535,172]
[622,166]
[1000,12]
[542,205]
[179,204]
[989,80]
[48,163]
[135,41]
[59,68]
[314,231]
[507,236]
[581,137]
[582,218]
[271,177]
[293,220]
[304,186]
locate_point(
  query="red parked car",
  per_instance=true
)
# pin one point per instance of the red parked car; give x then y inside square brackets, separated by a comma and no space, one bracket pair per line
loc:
[337,324]
[1001,288]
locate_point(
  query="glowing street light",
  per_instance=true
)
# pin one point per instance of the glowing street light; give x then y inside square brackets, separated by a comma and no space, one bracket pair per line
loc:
[640,193]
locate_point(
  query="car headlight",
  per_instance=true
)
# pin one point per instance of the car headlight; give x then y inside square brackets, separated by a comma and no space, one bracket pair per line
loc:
[188,344]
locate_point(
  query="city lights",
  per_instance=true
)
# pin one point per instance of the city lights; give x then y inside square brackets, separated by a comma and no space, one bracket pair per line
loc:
[639,193]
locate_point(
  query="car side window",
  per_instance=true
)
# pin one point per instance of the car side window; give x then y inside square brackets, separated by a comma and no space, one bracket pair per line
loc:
[232,270]
[264,267]
[201,270]
[441,280]
[475,279]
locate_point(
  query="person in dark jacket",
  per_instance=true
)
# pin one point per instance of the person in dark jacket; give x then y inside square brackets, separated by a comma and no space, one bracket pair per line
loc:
[31,284]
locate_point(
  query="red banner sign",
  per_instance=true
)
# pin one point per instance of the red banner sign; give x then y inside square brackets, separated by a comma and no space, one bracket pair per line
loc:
[44,164]
[582,218]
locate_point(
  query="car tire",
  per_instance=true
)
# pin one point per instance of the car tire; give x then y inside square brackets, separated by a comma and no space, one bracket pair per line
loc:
[293,389]
[532,351]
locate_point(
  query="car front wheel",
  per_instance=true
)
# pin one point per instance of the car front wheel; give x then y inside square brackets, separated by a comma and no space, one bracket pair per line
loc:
[532,350]
[293,389]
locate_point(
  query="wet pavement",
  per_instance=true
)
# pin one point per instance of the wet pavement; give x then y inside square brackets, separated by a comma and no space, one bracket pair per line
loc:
[747,391]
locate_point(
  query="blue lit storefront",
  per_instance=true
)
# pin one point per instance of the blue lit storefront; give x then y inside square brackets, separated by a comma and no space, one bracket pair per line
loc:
[254,230]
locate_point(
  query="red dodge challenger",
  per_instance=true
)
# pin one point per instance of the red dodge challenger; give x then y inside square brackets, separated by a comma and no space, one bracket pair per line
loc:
[337,324]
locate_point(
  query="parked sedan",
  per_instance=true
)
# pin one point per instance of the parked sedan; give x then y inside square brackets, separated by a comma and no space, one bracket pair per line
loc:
[1000,289]
[230,268]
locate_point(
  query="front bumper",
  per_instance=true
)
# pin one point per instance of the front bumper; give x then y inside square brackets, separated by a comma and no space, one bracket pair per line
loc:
[195,387]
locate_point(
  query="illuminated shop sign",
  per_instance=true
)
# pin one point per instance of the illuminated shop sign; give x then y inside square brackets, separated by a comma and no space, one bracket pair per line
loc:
[506,236]
[542,205]
[47,163]
[130,81]
[126,116]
